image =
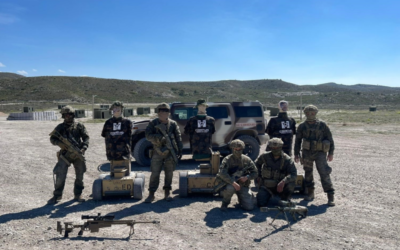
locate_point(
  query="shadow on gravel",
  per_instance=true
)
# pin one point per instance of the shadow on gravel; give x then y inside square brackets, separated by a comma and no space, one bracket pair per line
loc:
[215,217]
[54,211]
[277,230]
[160,206]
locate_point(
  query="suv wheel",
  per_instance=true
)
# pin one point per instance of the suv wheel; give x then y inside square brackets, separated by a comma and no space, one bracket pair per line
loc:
[141,152]
[252,148]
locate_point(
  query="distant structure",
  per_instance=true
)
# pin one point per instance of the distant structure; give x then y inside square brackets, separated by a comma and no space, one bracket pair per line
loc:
[143,110]
[128,112]
[101,113]
[28,109]
[372,108]
[80,113]
[104,106]
[60,106]
[33,116]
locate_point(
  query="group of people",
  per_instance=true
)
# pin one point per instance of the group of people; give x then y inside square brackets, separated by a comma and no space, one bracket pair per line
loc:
[274,170]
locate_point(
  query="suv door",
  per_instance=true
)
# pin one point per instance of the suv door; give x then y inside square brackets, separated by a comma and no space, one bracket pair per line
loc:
[223,122]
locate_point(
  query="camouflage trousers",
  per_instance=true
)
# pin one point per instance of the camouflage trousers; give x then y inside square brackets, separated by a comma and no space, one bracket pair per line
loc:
[61,170]
[245,196]
[157,163]
[264,195]
[324,170]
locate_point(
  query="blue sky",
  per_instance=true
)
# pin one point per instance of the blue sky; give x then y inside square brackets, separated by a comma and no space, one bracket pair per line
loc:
[299,41]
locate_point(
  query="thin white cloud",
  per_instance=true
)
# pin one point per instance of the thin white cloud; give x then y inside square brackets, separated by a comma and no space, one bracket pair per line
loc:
[61,71]
[34,70]
[22,72]
[7,18]
[2,65]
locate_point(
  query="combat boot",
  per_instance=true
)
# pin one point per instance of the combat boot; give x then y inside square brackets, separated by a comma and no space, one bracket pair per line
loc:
[167,195]
[79,198]
[331,200]
[310,195]
[54,200]
[150,198]
[224,206]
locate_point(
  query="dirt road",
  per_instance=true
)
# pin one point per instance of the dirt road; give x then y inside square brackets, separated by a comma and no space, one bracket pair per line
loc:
[365,174]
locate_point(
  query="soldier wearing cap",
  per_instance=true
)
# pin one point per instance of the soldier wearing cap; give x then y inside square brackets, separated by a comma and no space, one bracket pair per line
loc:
[162,156]
[117,132]
[74,131]
[283,127]
[200,129]
[314,138]
[277,173]
[231,164]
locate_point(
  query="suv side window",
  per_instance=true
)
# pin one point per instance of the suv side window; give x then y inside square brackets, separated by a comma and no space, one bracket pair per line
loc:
[183,113]
[242,111]
[217,112]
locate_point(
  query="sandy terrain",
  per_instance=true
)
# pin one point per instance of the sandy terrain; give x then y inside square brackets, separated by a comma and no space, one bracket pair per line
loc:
[365,174]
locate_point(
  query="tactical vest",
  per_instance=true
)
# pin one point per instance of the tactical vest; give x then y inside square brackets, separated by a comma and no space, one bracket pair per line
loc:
[313,140]
[234,167]
[170,127]
[73,131]
[272,177]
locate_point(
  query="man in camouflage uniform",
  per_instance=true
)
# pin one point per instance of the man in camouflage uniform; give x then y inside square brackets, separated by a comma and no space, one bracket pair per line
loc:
[230,165]
[161,154]
[277,173]
[282,126]
[73,131]
[315,140]
[200,129]
[117,132]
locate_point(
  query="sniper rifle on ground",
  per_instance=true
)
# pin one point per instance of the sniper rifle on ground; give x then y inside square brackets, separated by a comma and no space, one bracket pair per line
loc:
[94,223]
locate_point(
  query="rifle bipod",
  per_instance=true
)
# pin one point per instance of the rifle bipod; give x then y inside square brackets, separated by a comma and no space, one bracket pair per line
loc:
[290,207]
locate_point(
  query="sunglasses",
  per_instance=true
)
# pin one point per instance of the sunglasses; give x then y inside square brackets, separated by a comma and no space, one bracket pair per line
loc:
[163,110]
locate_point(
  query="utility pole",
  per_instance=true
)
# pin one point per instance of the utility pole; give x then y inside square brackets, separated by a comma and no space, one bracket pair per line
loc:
[93,105]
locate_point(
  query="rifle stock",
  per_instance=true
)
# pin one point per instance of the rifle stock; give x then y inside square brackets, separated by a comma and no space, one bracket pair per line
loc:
[169,144]
[72,146]
[221,183]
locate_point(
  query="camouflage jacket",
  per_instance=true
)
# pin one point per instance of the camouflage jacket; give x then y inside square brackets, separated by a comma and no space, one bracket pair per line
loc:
[318,131]
[118,137]
[200,131]
[231,165]
[155,136]
[283,127]
[76,130]
[279,169]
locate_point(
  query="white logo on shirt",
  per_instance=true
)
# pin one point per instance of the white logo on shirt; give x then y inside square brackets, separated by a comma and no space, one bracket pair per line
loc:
[201,123]
[285,124]
[117,126]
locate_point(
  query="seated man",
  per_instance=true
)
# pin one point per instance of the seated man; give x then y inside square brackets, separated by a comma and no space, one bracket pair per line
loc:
[237,183]
[277,174]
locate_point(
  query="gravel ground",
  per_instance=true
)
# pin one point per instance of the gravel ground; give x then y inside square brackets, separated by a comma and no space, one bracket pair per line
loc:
[366,216]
